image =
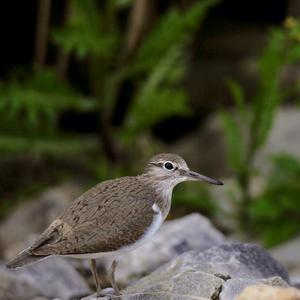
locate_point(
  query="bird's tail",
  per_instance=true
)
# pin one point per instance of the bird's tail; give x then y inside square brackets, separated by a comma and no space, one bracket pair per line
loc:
[23,258]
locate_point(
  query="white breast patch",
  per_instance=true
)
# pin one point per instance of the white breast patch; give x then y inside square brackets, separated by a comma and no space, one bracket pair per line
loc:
[156,208]
[156,223]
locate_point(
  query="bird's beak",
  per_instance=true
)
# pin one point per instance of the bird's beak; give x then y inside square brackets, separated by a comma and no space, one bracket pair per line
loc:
[196,176]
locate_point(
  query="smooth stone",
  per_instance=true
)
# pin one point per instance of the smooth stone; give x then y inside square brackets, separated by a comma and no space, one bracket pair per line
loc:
[184,284]
[265,292]
[235,260]
[288,254]
[12,287]
[233,287]
[53,278]
[295,281]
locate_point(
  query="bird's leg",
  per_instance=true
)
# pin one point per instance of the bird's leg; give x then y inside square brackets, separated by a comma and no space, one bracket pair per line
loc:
[95,275]
[111,277]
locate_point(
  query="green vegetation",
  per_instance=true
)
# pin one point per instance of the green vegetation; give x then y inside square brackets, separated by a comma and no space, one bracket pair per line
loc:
[30,107]
[275,213]
[36,100]
[31,103]
[194,197]
[247,131]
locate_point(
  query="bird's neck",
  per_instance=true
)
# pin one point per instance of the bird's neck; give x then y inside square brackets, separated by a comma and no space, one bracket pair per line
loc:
[162,190]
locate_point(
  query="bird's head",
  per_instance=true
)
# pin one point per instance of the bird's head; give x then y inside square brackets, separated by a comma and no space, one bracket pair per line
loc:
[170,169]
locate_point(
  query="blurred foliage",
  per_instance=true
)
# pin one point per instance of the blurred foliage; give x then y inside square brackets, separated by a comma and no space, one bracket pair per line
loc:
[87,32]
[248,128]
[29,109]
[194,197]
[276,213]
[172,30]
[159,97]
[31,104]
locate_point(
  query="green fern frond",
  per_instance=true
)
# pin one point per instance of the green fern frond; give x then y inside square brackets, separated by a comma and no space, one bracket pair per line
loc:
[86,32]
[235,141]
[269,94]
[160,96]
[174,29]
[38,100]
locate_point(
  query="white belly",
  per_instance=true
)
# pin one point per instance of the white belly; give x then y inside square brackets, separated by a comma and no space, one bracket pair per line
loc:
[156,223]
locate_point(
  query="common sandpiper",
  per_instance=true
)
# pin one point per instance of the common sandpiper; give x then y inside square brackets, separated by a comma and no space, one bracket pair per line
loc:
[113,217]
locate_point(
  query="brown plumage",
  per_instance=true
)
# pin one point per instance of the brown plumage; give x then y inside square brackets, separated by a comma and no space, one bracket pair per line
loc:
[113,215]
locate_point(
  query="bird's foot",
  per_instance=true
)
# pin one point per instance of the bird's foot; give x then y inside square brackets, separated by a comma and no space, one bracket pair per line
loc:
[105,294]
[108,293]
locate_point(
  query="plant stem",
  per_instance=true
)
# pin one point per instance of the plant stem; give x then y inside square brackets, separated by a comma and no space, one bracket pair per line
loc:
[62,61]
[42,33]
[244,182]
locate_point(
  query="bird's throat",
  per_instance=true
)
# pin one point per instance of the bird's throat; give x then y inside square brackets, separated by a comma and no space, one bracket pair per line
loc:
[163,197]
[162,190]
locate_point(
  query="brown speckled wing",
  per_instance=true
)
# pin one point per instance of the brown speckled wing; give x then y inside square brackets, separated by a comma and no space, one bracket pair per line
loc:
[113,214]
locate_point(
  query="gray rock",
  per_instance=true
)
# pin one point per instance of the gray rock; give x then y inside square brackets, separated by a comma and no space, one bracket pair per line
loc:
[53,277]
[14,288]
[107,291]
[288,254]
[36,214]
[295,278]
[233,287]
[204,274]
[184,284]
[266,292]
[192,232]
[238,260]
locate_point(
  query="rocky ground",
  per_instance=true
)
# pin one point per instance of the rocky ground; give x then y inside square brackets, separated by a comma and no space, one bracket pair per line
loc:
[187,259]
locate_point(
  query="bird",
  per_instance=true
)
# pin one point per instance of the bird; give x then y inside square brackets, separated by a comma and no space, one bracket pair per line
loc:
[113,217]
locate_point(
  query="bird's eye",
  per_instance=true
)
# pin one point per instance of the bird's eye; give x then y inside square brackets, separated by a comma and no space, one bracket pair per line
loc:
[168,165]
